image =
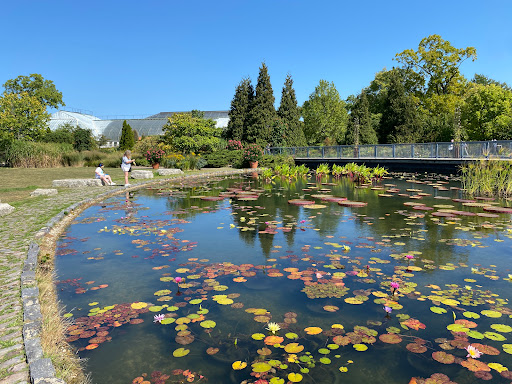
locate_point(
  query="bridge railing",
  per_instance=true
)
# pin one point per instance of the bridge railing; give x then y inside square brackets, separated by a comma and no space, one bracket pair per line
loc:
[443,150]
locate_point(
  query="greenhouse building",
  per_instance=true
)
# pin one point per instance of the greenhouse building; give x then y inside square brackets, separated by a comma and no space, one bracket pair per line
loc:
[111,129]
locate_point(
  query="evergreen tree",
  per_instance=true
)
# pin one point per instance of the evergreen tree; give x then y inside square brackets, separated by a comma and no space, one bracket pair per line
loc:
[289,112]
[135,136]
[361,112]
[262,112]
[126,141]
[400,121]
[238,114]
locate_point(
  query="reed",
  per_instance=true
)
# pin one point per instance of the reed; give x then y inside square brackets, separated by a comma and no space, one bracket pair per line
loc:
[487,177]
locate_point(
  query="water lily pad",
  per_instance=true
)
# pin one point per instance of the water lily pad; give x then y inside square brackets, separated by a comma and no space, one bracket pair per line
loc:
[475,365]
[390,338]
[208,324]
[272,340]
[495,336]
[258,336]
[501,328]
[294,348]
[295,377]
[325,360]
[443,357]
[491,313]
[313,330]
[360,347]
[438,310]
[238,365]
[261,367]
[180,352]
[290,335]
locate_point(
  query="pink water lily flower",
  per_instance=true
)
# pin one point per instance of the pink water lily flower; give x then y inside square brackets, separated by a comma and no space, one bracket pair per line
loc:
[395,285]
[178,279]
[302,221]
[158,318]
[409,257]
[473,352]
[388,309]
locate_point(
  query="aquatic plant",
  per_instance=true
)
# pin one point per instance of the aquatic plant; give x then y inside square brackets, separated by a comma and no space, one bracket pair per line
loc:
[322,170]
[487,177]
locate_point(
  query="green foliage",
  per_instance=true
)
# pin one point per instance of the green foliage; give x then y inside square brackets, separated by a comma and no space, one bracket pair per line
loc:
[484,80]
[290,114]
[185,133]
[362,124]
[127,140]
[487,178]
[252,152]
[437,63]
[262,112]
[271,161]
[278,135]
[108,158]
[239,111]
[224,158]
[22,117]
[29,154]
[322,169]
[83,139]
[35,85]
[401,122]
[487,112]
[63,134]
[146,143]
[325,116]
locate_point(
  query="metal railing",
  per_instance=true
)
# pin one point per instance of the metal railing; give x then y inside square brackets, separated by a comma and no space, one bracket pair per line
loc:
[450,150]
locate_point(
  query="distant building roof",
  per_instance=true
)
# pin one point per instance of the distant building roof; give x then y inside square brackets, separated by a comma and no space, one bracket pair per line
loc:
[111,129]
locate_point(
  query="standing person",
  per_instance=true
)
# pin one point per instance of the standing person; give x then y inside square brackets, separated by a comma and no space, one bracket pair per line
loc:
[126,165]
[100,174]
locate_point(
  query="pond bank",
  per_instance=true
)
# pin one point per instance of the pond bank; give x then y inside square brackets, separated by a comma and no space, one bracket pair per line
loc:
[31,223]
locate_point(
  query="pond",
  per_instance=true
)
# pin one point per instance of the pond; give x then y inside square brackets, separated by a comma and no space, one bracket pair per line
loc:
[234,281]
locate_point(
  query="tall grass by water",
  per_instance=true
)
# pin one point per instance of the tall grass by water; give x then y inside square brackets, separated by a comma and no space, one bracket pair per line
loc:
[488,177]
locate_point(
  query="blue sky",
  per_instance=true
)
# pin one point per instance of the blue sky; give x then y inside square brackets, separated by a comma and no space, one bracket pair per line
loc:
[142,57]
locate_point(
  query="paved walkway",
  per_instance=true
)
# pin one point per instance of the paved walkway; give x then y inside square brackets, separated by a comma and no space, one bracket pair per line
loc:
[17,230]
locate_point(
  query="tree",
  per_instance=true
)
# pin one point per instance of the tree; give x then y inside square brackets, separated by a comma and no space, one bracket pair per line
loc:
[126,141]
[437,62]
[22,117]
[262,112]
[135,136]
[360,114]
[487,113]
[186,133]
[35,85]
[400,121]
[239,111]
[289,113]
[484,80]
[83,139]
[197,113]
[63,134]
[325,116]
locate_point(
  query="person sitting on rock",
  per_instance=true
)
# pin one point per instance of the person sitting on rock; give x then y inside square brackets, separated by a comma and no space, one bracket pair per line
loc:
[100,174]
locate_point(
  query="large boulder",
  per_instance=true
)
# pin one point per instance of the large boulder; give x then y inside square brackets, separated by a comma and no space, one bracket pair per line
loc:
[44,192]
[141,174]
[77,183]
[5,209]
[169,172]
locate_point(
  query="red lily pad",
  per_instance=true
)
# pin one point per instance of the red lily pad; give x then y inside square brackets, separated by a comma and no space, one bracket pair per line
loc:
[475,365]
[390,338]
[443,357]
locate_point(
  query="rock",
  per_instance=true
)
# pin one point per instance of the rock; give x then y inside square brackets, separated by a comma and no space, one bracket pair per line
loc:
[168,172]
[77,183]
[141,174]
[41,369]
[5,209]
[44,192]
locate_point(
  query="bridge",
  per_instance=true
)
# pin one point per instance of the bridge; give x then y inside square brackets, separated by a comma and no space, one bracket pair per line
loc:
[429,157]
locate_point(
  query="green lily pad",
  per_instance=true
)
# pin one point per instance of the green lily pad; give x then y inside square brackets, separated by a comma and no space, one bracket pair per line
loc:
[325,360]
[501,328]
[360,347]
[490,313]
[471,315]
[438,310]
[495,336]
[208,324]
[261,367]
[180,352]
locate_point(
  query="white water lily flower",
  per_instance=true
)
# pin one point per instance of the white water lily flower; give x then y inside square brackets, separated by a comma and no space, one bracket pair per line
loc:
[273,327]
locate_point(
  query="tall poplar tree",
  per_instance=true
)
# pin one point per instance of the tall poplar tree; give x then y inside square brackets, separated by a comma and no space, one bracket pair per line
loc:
[262,113]
[238,114]
[289,112]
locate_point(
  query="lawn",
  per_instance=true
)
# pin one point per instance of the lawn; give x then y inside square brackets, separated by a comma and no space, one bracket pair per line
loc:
[17,183]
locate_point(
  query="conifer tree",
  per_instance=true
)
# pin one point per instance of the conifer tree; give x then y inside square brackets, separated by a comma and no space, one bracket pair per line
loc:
[126,141]
[262,111]
[238,114]
[361,112]
[289,112]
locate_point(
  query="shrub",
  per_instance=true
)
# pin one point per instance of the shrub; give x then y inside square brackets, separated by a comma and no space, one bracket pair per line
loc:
[110,159]
[29,154]
[234,145]
[271,161]
[224,158]
[253,152]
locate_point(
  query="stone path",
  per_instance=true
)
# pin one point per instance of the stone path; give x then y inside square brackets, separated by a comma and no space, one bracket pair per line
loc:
[17,230]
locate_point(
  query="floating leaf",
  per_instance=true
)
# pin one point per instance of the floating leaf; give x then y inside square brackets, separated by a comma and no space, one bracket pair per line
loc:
[495,336]
[443,357]
[325,360]
[390,338]
[261,367]
[490,313]
[313,330]
[475,365]
[438,310]
[208,324]
[294,348]
[471,315]
[360,347]
[291,335]
[498,367]
[501,328]
[258,336]
[238,365]
[212,351]
[273,340]
[139,305]
[295,377]
[180,352]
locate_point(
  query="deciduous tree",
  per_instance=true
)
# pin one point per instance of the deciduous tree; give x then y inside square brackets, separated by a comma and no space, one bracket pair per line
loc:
[35,85]
[325,116]
[22,117]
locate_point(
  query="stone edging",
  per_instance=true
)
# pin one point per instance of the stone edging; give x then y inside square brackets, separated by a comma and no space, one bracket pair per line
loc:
[41,369]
